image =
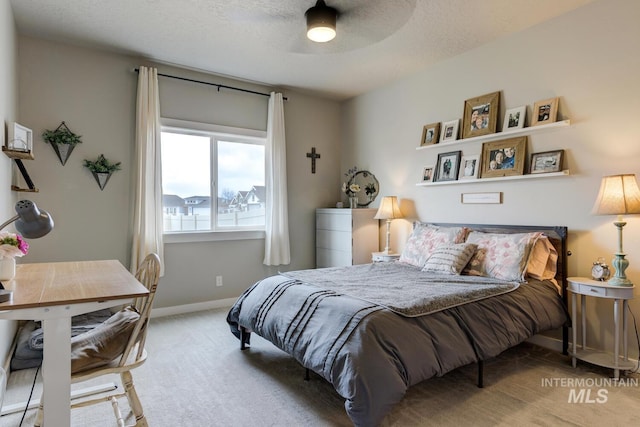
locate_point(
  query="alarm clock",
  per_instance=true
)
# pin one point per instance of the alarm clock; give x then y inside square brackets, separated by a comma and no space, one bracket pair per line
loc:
[600,271]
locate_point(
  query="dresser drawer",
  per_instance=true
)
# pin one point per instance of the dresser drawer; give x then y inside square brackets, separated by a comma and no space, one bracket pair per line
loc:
[331,258]
[338,240]
[334,222]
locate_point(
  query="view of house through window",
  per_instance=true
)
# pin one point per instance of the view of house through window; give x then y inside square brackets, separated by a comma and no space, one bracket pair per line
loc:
[197,165]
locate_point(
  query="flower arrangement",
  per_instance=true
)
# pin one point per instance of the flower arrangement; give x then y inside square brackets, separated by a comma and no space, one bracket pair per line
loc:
[350,189]
[12,245]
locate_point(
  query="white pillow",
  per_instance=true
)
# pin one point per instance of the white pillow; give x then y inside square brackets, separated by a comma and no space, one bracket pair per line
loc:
[425,238]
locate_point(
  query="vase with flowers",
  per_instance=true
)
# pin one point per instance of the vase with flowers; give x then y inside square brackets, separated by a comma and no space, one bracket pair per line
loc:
[12,245]
[350,188]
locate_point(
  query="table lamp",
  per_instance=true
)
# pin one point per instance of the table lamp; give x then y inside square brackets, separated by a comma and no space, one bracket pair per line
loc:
[388,210]
[618,195]
[31,223]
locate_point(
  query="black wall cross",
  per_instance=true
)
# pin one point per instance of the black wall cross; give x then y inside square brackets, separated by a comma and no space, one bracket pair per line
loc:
[313,156]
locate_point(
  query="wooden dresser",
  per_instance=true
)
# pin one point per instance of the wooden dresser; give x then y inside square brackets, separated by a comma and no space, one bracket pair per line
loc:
[345,236]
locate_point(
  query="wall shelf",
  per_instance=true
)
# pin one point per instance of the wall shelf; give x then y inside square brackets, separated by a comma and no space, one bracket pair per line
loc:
[501,135]
[12,154]
[501,178]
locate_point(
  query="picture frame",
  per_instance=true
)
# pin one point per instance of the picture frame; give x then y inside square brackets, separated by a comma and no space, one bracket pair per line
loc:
[447,166]
[427,174]
[450,131]
[469,167]
[546,161]
[545,111]
[514,118]
[430,134]
[20,139]
[481,115]
[504,158]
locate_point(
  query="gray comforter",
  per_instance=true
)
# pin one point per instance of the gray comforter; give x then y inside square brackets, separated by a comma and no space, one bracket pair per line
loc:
[369,352]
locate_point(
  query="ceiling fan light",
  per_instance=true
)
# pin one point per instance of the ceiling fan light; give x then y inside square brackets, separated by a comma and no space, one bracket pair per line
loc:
[321,22]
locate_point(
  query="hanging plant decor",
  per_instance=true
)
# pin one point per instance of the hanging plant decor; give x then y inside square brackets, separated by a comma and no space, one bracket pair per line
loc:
[102,169]
[62,140]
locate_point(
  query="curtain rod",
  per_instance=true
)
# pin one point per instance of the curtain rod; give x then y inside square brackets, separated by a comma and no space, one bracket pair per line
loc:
[219,86]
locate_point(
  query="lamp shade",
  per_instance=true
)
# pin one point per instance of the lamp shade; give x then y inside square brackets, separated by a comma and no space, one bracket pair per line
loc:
[389,209]
[618,195]
[32,222]
[321,22]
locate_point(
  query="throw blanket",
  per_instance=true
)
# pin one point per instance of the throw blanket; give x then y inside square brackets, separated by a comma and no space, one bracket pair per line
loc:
[402,288]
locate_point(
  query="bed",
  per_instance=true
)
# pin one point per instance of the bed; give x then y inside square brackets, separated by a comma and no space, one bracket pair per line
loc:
[459,294]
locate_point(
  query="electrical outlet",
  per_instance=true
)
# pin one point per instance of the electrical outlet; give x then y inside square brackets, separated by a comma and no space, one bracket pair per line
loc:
[218,280]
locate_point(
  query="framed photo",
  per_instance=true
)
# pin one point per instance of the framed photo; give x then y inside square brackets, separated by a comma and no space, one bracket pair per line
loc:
[545,111]
[20,139]
[427,174]
[430,134]
[447,166]
[548,161]
[514,118]
[481,115]
[469,167]
[449,131]
[504,157]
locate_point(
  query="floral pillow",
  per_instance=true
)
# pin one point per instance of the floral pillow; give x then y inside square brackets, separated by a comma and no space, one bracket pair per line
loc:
[501,256]
[425,238]
[450,258]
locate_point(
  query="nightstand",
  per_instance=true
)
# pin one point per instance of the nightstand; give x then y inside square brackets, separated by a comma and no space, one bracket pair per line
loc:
[382,257]
[620,296]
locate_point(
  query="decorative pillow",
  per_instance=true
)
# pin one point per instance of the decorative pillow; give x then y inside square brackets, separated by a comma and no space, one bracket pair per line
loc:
[425,238]
[543,260]
[104,343]
[450,258]
[501,256]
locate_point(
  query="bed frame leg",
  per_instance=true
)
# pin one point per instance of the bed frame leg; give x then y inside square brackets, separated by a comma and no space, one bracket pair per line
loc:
[306,374]
[480,373]
[245,338]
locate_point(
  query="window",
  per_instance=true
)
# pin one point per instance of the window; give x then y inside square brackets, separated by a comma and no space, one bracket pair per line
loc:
[199,161]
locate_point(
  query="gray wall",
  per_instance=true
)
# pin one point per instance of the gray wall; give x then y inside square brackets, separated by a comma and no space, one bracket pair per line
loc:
[590,59]
[94,92]
[8,107]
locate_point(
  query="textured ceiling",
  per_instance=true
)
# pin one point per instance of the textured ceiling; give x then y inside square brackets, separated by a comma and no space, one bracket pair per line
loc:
[264,41]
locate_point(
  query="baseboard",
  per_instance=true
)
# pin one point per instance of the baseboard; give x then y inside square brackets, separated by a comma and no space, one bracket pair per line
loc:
[546,342]
[190,308]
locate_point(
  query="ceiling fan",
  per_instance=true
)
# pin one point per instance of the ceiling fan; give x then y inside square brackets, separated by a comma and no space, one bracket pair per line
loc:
[356,23]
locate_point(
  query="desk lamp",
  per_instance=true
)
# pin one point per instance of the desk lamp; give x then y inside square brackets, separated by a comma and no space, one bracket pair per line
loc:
[388,210]
[31,223]
[618,195]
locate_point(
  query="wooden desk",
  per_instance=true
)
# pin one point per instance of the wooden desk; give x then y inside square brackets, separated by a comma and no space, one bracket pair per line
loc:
[53,293]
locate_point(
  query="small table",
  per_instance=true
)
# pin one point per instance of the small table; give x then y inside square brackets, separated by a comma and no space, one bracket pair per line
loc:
[621,295]
[53,293]
[384,257]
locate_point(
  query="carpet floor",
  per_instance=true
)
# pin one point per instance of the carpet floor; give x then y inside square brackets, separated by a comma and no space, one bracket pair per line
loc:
[196,376]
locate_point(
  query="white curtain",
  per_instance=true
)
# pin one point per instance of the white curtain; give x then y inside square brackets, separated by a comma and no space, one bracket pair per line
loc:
[276,245]
[147,215]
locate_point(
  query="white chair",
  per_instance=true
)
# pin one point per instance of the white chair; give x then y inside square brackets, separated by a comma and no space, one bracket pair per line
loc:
[131,357]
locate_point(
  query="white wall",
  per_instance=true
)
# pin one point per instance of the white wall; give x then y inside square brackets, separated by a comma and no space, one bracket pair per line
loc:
[94,93]
[8,107]
[590,59]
